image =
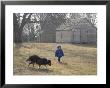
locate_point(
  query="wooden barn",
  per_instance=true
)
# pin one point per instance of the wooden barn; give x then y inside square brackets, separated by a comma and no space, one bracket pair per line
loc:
[81,32]
[77,31]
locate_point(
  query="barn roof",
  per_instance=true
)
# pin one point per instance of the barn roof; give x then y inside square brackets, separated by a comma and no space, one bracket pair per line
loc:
[81,23]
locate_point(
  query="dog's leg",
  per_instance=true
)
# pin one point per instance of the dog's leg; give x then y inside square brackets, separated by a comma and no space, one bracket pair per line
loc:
[39,66]
[46,66]
[33,64]
[29,64]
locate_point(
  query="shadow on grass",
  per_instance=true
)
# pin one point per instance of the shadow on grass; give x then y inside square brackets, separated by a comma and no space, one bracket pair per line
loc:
[40,70]
[63,63]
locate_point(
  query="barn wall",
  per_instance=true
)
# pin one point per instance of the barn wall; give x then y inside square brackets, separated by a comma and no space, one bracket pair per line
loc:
[92,36]
[76,36]
[85,33]
[84,36]
[64,36]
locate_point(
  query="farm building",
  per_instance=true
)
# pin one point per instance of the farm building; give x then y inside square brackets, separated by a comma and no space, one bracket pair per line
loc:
[76,31]
[80,32]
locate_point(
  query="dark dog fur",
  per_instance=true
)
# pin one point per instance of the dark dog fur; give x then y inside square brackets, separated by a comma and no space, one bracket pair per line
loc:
[43,61]
[33,59]
[38,60]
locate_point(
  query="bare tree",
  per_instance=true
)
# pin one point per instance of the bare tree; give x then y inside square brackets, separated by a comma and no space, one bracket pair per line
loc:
[46,22]
[19,24]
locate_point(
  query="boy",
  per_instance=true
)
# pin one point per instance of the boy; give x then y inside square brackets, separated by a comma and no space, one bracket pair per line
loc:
[59,53]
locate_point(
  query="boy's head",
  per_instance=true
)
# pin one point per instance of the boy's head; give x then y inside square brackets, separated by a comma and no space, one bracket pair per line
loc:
[58,47]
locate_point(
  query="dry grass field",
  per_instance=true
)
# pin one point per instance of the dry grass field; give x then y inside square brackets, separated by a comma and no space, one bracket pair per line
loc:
[79,59]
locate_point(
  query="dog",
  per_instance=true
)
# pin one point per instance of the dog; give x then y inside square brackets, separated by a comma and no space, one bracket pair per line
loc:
[33,59]
[43,61]
[38,60]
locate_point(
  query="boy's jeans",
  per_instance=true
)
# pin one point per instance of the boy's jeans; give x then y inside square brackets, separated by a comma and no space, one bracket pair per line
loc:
[59,59]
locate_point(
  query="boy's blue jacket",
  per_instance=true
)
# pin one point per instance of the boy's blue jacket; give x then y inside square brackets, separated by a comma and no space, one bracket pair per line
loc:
[59,53]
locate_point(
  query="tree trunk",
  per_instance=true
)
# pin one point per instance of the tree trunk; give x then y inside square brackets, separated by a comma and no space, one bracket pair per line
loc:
[17,36]
[18,30]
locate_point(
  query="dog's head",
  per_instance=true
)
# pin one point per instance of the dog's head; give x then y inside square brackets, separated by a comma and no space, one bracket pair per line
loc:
[49,62]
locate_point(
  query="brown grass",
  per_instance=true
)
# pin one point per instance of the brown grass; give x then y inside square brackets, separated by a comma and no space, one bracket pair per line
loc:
[78,60]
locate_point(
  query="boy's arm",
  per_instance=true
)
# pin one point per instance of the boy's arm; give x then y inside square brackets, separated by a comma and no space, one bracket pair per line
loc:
[55,53]
[62,53]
